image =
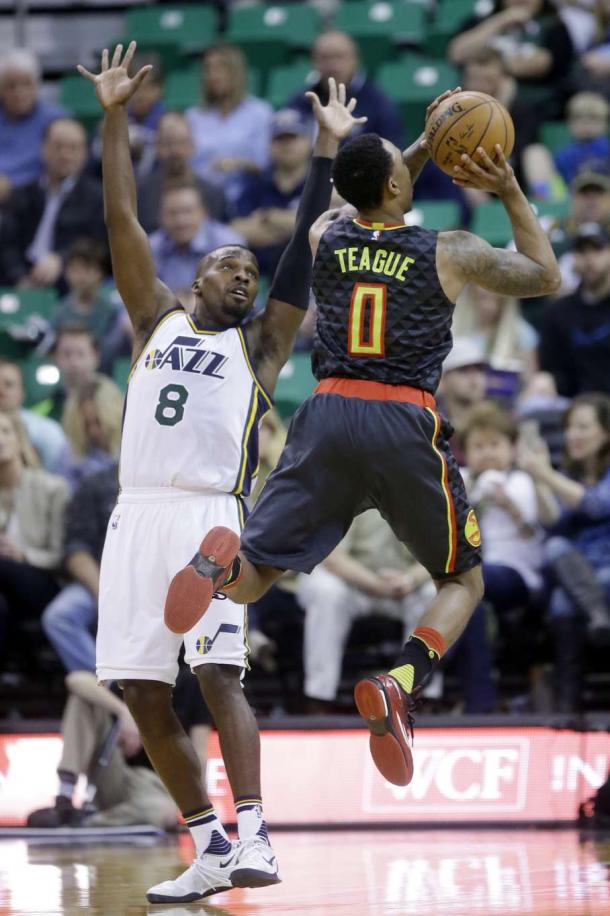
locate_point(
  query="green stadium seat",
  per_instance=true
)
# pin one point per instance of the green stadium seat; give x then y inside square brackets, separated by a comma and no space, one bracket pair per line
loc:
[381,27]
[296,382]
[17,305]
[432,214]
[183,87]
[78,96]
[285,82]
[491,222]
[269,33]
[185,27]
[120,372]
[450,15]
[40,376]
[413,82]
[555,209]
[555,134]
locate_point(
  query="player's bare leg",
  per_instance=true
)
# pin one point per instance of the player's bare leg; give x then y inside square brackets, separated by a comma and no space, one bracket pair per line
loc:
[170,750]
[386,702]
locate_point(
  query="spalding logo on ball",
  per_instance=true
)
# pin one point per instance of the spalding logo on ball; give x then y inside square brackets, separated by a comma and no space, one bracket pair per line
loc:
[462,123]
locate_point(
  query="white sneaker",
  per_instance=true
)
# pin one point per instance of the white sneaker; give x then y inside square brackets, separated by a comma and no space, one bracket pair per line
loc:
[209,874]
[256,864]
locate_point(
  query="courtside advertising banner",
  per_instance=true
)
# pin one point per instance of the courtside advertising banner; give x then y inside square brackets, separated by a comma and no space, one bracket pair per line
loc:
[327,777]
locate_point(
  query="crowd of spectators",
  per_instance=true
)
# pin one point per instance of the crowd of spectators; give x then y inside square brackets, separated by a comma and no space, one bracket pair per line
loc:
[526,387]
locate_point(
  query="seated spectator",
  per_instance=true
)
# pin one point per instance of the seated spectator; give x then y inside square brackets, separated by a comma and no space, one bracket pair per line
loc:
[575,337]
[534,42]
[336,54]
[32,504]
[99,733]
[46,436]
[92,421]
[70,619]
[145,110]
[575,506]
[540,410]
[504,499]
[495,324]
[485,70]
[589,203]
[24,119]
[596,61]
[43,218]
[92,303]
[463,384]
[588,120]
[231,129]
[369,572]
[186,235]
[266,208]
[77,358]
[588,114]
[174,152]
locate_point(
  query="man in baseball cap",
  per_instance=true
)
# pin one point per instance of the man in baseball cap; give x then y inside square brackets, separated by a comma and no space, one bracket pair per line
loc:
[575,338]
[267,207]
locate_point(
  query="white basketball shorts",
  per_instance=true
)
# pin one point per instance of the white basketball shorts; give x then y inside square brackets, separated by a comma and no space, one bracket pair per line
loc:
[153,533]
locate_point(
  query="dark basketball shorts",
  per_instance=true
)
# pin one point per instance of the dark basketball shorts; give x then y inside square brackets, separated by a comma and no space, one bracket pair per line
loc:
[345,454]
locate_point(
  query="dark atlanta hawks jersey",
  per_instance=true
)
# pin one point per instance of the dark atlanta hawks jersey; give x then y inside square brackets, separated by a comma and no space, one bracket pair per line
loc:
[381,312]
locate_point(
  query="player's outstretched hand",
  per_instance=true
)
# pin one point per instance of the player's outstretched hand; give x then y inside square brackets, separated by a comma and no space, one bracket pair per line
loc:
[485,175]
[113,85]
[434,104]
[336,117]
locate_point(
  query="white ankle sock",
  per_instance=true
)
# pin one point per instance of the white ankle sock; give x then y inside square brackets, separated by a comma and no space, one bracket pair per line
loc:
[250,818]
[208,833]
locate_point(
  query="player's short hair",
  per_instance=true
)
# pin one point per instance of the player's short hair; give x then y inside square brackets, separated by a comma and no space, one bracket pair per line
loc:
[360,171]
[488,417]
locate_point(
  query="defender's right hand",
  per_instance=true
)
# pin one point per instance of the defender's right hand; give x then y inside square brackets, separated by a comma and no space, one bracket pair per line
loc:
[113,85]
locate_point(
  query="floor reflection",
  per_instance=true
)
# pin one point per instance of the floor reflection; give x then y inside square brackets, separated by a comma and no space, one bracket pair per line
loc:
[358,873]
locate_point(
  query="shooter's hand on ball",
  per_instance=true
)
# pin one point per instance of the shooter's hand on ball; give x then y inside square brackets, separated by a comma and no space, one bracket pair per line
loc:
[485,175]
[431,107]
[114,86]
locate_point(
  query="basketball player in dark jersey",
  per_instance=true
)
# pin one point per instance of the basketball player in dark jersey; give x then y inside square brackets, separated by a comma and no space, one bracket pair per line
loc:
[370,435]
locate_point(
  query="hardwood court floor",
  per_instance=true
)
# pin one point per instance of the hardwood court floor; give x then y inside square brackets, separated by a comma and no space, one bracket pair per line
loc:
[468,873]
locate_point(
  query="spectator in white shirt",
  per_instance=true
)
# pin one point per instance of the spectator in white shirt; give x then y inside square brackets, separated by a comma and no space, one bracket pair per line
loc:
[507,508]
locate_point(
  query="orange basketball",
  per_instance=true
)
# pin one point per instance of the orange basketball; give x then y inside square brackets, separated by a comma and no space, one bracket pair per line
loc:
[465,121]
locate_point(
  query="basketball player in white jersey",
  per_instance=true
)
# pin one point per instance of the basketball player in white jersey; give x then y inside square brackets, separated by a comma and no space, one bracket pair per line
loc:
[198,387]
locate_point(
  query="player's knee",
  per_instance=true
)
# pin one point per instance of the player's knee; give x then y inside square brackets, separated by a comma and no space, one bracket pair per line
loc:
[473,581]
[146,701]
[219,683]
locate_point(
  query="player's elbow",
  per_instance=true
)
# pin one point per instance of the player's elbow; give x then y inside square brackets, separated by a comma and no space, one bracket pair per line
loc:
[551,280]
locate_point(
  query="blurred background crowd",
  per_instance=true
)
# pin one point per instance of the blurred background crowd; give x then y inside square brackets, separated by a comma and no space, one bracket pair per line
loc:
[221,137]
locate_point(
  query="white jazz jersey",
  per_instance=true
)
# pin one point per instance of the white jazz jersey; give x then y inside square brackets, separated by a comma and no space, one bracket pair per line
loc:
[192,411]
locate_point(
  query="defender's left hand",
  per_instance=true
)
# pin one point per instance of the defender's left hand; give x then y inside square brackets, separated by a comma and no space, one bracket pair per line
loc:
[336,117]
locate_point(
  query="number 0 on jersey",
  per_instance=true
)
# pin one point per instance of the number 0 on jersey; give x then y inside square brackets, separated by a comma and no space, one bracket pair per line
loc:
[367,311]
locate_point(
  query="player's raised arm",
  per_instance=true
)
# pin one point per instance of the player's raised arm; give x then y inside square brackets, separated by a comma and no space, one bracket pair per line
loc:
[462,257]
[132,261]
[272,338]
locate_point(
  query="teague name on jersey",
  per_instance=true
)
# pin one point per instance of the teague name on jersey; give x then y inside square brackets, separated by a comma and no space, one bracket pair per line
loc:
[186,354]
[389,263]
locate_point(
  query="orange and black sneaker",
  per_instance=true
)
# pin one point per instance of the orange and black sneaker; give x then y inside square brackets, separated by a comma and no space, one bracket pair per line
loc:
[192,589]
[387,711]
